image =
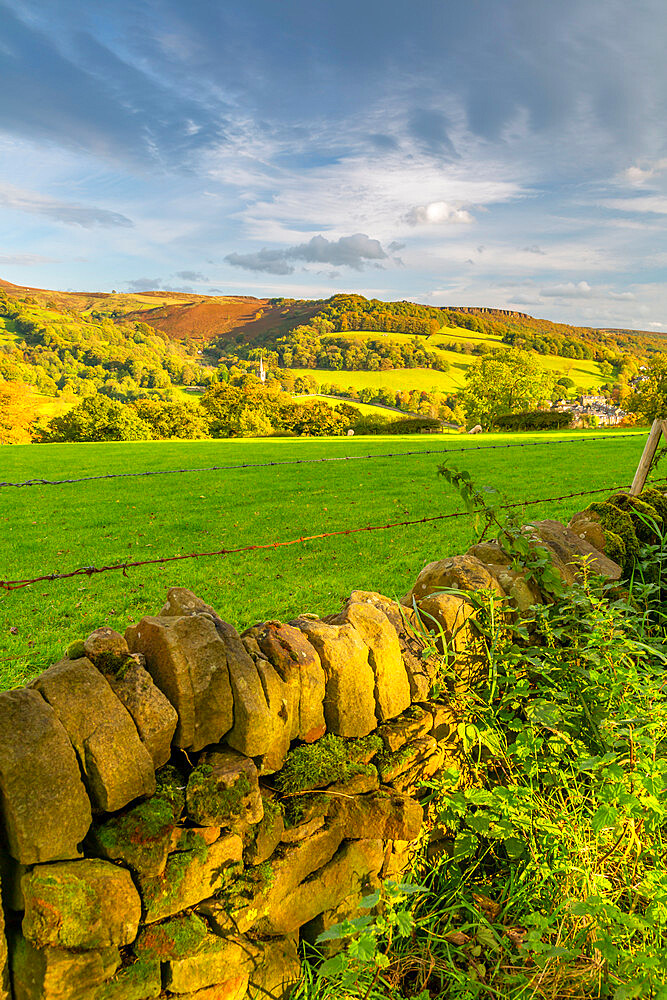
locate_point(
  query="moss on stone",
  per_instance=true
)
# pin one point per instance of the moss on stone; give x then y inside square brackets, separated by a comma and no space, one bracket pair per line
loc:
[303,808]
[139,980]
[272,810]
[622,541]
[194,843]
[329,759]
[644,515]
[140,836]
[176,937]
[75,650]
[658,501]
[208,796]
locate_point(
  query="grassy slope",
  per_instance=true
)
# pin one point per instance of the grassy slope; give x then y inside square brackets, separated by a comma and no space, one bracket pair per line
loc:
[585,374]
[58,528]
[367,409]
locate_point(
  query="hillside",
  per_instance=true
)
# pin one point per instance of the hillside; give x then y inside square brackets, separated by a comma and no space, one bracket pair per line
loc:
[152,345]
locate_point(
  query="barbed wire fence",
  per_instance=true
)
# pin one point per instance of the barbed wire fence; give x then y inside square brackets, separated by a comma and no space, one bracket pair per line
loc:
[124,566]
[315,461]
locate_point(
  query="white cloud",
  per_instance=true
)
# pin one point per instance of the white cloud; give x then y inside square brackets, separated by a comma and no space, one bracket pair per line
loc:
[568,290]
[437,213]
[655,204]
[638,175]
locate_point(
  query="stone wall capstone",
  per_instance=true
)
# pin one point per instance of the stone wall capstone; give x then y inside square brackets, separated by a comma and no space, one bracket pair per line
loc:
[181,805]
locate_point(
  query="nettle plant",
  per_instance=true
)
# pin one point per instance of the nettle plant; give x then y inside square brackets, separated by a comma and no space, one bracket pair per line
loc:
[561,809]
[550,878]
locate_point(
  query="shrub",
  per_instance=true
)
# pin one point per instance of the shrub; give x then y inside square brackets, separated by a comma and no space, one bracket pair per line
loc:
[534,420]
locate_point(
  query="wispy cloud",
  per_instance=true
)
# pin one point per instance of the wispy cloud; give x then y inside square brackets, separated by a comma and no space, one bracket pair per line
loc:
[70,213]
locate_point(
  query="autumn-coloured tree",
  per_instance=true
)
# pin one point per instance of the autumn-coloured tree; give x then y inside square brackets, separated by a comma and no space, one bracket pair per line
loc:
[16,413]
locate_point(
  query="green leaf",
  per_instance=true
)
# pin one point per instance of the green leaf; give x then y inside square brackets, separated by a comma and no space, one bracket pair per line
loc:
[515,848]
[404,923]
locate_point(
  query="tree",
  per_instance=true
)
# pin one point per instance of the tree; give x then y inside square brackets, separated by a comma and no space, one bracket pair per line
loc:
[16,413]
[504,382]
[97,419]
[173,419]
[649,400]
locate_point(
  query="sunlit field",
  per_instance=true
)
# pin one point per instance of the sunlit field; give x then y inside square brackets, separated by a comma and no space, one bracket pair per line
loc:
[48,529]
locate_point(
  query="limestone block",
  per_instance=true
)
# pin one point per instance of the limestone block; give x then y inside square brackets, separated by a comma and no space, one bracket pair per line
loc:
[187,659]
[522,592]
[586,525]
[392,687]
[232,989]
[255,722]
[217,960]
[349,908]
[141,837]
[451,613]
[190,877]
[455,573]
[356,861]
[152,712]
[183,838]
[417,721]
[290,865]
[224,788]
[420,669]
[390,765]
[181,601]
[116,766]
[445,720]
[44,808]
[56,974]
[293,834]
[107,649]
[276,972]
[280,700]
[490,553]
[349,704]
[380,815]
[411,780]
[299,665]
[87,904]
[174,938]
[572,548]
[267,834]
[142,980]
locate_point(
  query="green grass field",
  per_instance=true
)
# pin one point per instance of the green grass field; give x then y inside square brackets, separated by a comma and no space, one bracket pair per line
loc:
[58,528]
[366,409]
[586,375]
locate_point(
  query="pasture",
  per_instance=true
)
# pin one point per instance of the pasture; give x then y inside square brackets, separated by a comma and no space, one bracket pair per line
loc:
[49,529]
[586,375]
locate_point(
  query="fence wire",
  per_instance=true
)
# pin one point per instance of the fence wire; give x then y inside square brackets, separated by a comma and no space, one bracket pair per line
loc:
[124,566]
[316,461]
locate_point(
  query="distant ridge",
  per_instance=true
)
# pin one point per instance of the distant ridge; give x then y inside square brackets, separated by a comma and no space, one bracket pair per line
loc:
[246,318]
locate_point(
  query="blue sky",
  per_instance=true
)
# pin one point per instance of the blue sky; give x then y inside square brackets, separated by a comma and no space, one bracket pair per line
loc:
[508,153]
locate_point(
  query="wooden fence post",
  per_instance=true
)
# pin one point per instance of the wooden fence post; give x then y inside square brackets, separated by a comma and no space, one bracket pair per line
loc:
[657,431]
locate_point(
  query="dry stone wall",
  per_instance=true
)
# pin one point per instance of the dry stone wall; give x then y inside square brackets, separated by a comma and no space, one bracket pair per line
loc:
[181,805]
